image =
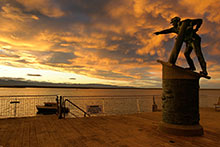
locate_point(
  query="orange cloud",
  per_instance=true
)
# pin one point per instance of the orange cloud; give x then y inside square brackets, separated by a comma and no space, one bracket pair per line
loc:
[206,6]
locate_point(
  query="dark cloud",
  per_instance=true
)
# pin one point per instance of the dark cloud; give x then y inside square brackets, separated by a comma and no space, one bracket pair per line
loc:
[34,75]
[10,78]
[84,6]
[72,78]
[23,61]
[111,75]
[60,57]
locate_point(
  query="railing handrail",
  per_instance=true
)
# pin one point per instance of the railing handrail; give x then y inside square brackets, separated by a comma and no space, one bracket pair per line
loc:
[74,96]
[111,95]
[85,113]
[25,95]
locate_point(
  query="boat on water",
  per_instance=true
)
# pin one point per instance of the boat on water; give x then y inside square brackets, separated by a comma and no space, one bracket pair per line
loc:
[49,108]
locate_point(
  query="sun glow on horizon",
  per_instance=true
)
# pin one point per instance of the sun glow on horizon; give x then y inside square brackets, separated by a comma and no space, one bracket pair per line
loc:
[53,76]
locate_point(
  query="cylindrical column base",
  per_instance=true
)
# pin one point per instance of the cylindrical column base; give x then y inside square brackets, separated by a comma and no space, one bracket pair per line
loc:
[180,101]
[181,130]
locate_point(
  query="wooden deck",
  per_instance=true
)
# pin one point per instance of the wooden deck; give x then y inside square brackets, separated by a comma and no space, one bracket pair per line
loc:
[123,131]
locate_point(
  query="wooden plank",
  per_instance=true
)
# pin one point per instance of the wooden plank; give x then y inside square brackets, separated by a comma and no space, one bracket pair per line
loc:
[55,130]
[84,132]
[121,130]
[8,136]
[72,136]
[17,138]
[25,139]
[33,133]
[43,137]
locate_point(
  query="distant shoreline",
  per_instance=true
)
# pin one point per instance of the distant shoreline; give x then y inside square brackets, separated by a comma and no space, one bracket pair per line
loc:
[78,87]
[93,87]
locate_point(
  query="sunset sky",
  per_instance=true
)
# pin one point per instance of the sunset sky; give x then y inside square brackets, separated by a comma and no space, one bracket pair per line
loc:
[101,41]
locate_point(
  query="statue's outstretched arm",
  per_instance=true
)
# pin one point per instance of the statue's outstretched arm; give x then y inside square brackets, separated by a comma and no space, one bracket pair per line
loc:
[166,31]
[198,23]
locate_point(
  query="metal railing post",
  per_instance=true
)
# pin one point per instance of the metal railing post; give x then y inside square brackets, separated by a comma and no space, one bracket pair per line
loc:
[15,110]
[57,100]
[154,106]
[103,106]
[60,107]
[138,105]
[64,108]
[15,102]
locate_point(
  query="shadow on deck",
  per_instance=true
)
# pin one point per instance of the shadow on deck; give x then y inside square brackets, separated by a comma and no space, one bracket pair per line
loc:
[120,130]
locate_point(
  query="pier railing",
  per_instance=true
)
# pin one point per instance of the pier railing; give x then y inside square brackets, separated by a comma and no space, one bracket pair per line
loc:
[24,106]
[76,107]
[111,105]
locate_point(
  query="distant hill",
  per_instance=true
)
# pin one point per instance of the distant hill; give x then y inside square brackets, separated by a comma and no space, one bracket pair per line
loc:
[20,82]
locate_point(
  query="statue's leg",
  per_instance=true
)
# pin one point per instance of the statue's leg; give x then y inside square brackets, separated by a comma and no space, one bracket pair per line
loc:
[187,53]
[178,43]
[197,47]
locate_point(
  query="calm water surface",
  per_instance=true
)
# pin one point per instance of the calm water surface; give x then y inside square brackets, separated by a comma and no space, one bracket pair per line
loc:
[76,92]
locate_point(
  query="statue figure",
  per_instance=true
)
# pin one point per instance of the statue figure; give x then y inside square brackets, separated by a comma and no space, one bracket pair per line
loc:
[190,37]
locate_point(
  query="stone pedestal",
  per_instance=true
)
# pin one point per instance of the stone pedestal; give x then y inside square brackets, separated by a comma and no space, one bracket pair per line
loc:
[180,101]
